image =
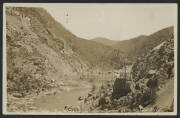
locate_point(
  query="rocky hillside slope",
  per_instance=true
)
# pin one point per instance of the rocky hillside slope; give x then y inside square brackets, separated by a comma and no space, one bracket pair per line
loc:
[154,69]
[149,88]
[159,60]
[40,51]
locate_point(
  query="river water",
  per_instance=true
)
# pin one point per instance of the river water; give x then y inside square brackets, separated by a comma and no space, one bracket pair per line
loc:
[57,102]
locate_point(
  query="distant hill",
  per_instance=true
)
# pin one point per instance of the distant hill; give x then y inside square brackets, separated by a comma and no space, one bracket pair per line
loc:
[141,44]
[104,41]
[130,46]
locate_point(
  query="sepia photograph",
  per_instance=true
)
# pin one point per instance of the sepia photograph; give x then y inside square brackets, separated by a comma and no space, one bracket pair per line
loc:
[90,58]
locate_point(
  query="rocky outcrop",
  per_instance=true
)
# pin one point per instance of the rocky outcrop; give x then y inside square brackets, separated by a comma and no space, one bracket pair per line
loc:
[157,65]
[120,88]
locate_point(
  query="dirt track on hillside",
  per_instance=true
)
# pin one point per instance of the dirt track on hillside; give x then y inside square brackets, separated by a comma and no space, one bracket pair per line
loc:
[164,98]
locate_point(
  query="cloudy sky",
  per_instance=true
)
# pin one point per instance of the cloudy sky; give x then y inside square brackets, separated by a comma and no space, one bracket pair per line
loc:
[113,21]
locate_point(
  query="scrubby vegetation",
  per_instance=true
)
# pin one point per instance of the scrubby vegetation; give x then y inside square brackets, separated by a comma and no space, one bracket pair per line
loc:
[42,56]
[121,88]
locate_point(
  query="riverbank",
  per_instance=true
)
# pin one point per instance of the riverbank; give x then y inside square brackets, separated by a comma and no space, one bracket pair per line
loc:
[34,102]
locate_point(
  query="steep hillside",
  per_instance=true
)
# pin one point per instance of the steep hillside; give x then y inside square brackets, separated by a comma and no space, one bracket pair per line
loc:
[41,51]
[98,55]
[104,41]
[148,88]
[155,71]
[142,44]
[38,50]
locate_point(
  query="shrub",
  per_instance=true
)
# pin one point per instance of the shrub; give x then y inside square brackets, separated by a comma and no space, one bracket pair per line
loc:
[93,88]
[152,83]
[102,101]
[145,98]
